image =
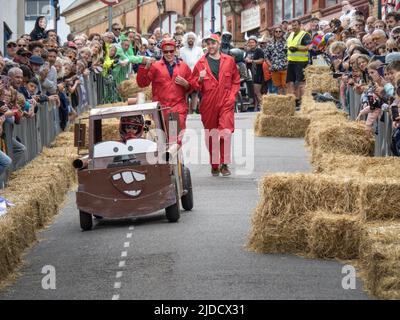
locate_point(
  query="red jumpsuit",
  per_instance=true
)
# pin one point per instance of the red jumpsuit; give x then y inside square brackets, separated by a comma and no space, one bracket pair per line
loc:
[164,88]
[217,106]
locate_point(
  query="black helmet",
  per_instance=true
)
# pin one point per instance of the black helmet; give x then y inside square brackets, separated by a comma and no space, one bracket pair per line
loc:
[238,54]
[226,37]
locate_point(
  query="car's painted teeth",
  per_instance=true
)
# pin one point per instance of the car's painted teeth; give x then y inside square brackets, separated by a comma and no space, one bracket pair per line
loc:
[116,176]
[133,193]
[128,177]
[139,176]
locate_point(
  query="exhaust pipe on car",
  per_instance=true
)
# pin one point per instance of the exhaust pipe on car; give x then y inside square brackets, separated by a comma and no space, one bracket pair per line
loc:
[81,163]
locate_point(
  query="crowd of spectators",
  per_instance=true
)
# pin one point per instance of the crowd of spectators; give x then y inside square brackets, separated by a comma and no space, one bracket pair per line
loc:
[363,53]
[39,67]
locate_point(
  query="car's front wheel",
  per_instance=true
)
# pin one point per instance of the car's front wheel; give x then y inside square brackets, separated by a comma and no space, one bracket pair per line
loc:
[86,220]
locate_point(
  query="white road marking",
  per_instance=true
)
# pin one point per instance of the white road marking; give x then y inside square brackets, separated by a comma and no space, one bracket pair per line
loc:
[122,264]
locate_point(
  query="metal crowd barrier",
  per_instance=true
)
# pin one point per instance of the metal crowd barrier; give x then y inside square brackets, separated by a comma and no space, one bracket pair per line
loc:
[41,131]
[382,128]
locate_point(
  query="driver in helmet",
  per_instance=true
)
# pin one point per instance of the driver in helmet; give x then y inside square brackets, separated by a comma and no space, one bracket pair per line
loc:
[131,127]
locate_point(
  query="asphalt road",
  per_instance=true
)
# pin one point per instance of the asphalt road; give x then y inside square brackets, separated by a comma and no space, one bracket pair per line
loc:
[200,257]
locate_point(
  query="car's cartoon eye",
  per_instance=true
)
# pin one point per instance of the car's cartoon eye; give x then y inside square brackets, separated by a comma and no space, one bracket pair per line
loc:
[109,149]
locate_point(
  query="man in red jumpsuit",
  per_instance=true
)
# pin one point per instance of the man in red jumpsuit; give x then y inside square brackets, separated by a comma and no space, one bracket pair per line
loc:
[170,82]
[217,78]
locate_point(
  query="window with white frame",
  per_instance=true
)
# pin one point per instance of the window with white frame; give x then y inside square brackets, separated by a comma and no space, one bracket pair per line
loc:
[290,9]
[168,22]
[208,12]
[36,8]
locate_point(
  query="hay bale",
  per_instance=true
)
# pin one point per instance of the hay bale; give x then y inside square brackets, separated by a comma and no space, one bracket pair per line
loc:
[273,126]
[379,257]
[322,83]
[279,105]
[38,191]
[275,235]
[129,88]
[340,136]
[296,194]
[320,78]
[379,199]
[280,222]
[373,167]
[334,235]
[314,69]
[318,110]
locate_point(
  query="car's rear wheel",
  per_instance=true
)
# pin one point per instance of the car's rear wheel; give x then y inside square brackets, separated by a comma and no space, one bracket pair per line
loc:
[187,199]
[86,220]
[173,212]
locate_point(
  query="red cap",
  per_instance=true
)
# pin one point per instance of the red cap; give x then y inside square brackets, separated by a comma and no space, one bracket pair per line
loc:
[168,42]
[214,37]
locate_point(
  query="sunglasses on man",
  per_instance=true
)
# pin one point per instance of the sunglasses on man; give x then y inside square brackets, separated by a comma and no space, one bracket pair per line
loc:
[168,51]
[132,127]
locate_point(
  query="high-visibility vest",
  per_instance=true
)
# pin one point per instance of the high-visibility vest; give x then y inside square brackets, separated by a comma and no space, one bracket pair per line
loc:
[292,41]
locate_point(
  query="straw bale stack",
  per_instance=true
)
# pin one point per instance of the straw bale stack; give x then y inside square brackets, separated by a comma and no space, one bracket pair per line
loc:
[335,134]
[349,209]
[279,105]
[320,78]
[280,222]
[334,235]
[380,259]
[275,126]
[37,190]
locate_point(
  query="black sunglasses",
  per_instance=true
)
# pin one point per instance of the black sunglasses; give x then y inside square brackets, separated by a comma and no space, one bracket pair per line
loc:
[168,51]
[393,50]
[118,29]
[132,126]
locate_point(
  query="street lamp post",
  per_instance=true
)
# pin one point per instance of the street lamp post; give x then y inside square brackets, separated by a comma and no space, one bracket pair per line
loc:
[160,6]
[110,16]
[110,4]
[213,17]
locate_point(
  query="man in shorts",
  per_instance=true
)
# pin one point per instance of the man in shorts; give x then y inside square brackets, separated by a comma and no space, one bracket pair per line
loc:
[298,44]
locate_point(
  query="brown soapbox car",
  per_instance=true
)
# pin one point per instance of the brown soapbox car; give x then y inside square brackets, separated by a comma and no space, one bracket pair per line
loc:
[132,179]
